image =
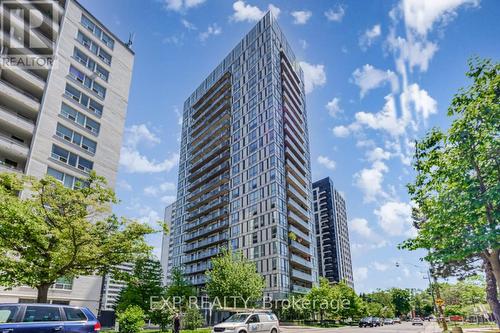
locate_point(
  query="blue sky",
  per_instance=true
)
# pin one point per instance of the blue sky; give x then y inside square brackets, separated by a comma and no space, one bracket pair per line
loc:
[379,74]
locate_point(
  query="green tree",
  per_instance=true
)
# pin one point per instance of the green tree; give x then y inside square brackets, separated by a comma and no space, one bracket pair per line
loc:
[180,287]
[130,320]
[144,283]
[162,316]
[233,275]
[401,299]
[457,185]
[351,303]
[320,297]
[193,318]
[52,231]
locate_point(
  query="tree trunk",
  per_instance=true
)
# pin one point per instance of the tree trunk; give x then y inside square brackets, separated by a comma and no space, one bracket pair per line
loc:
[494,259]
[43,291]
[491,291]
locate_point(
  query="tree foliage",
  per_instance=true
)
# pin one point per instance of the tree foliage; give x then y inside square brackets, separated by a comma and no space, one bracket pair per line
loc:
[193,318]
[51,231]
[144,283]
[130,320]
[233,275]
[180,287]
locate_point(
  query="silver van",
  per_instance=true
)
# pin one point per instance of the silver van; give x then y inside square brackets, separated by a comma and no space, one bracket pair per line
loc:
[266,322]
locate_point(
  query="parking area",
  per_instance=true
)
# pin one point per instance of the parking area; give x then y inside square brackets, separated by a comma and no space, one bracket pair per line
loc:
[398,328]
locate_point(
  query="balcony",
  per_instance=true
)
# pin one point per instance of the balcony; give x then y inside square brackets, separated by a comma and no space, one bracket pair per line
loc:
[300,289]
[206,242]
[297,209]
[299,275]
[208,196]
[299,248]
[15,122]
[212,217]
[299,152]
[295,195]
[222,179]
[13,147]
[218,203]
[293,158]
[19,98]
[303,263]
[299,233]
[202,255]
[292,128]
[210,137]
[203,232]
[198,268]
[207,154]
[211,164]
[24,79]
[215,90]
[209,175]
[4,167]
[298,221]
[209,118]
[297,185]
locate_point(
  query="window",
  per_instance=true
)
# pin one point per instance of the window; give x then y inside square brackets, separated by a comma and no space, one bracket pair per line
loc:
[73,314]
[90,64]
[72,159]
[41,314]
[80,119]
[94,48]
[75,138]
[87,82]
[8,313]
[63,283]
[98,32]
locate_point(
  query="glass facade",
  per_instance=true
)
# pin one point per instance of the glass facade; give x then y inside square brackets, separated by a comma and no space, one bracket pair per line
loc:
[244,174]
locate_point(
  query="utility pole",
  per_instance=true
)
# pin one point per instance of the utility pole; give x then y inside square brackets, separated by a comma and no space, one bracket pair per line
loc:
[440,306]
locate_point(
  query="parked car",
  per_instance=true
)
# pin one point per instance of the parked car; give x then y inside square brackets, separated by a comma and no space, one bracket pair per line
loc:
[388,321]
[265,322]
[396,321]
[417,321]
[377,322]
[366,322]
[45,318]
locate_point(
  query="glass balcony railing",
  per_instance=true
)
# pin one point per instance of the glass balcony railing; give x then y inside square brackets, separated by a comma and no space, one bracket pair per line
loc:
[224,200]
[301,275]
[300,289]
[206,187]
[294,218]
[301,261]
[299,210]
[302,248]
[216,161]
[208,137]
[202,255]
[209,175]
[205,153]
[299,233]
[208,241]
[205,197]
[202,123]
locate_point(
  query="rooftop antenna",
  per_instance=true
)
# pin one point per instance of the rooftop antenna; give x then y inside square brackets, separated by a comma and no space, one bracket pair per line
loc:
[131,38]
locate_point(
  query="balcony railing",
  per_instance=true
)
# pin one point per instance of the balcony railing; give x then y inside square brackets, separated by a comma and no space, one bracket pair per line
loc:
[301,275]
[200,123]
[203,255]
[302,248]
[207,219]
[217,160]
[208,241]
[205,154]
[301,261]
[299,210]
[26,94]
[205,197]
[210,135]
[299,233]
[294,218]
[224,200]
[214,172]
[300,289]
[214,182]
[208,230]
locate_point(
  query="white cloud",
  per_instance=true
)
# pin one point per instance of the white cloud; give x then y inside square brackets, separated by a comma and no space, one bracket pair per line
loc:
[369,181]
[336,14]
[134,162]
[377,154]
[326,162]
[418,52]
[168,199]
[314,76]
[149,216]
[423,104]
[123,184]
[301,16]
[369,77]
[341,131]
[303,43]
[381,267]
[333,107]
[188,25]
[360,274]
[136,134]
[394,218]
[421,15]
[386,119]
[182,5]
[155,190]
[245,12]
[369,36]
[212,30]
[361,227]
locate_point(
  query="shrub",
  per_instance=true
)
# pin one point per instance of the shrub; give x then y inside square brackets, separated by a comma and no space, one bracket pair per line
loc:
[193,318]
[131,320]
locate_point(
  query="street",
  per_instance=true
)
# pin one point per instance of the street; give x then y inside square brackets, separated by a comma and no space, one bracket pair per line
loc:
[398,328]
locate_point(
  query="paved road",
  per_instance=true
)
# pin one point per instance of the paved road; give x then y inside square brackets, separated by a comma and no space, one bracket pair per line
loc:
[398,328]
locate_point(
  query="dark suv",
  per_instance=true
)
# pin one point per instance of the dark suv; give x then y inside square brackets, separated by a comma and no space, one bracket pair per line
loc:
[45,318]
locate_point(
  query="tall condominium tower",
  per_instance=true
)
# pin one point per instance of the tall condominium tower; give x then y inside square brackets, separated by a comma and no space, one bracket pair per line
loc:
[244,174]
[167,243]
[332,233]
[64,85]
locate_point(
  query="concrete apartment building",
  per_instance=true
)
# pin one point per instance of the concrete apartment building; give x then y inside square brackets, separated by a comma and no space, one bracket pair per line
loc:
[66,119]
[167,243]
[332,233]
[244,173]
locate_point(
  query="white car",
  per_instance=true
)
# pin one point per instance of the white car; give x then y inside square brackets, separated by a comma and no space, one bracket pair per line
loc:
[249,323]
